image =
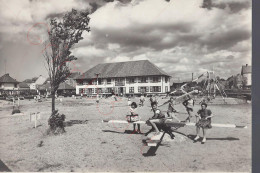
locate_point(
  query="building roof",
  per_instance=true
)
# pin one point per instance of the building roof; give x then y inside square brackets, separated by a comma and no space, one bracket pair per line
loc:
[65,86]
[23,85]
[74,75]
[246,69]
[7,79]
[44,87]
[28,81]
[62,86]
[31,80]
[41,80]
[123,69]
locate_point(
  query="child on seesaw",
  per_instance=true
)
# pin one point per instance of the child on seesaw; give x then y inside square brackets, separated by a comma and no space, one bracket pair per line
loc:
[157,118]
[133,116]
[204,122]
[171,110]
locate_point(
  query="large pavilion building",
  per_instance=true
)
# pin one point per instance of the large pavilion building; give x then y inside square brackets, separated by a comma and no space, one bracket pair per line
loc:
[127,78]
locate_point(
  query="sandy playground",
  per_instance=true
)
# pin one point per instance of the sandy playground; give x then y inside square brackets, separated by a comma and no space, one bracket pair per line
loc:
[90,145]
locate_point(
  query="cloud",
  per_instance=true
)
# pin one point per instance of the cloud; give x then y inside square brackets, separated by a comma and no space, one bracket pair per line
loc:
[179,36]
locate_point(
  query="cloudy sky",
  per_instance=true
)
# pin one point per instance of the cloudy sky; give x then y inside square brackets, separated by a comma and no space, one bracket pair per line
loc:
[179,36]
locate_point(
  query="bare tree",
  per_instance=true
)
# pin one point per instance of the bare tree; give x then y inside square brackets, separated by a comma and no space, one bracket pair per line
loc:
[62,36]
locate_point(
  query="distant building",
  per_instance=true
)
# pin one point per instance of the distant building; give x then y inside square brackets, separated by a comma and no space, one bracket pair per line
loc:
[176,85]
[132,77]
[35,82]
[23,86]
[31,83]
[41,80]
[45,89]
[66,88]
[71,79]
[246,72]
[8,85]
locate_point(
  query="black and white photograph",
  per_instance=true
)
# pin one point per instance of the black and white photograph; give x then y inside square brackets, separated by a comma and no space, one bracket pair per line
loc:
[125,86]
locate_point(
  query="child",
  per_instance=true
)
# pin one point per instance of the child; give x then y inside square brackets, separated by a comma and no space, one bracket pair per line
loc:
[142,100]
[157,118]
[97,101]
[171,110]
[189,104]
[204,122]
[153,99]
[133,116]
[129,101]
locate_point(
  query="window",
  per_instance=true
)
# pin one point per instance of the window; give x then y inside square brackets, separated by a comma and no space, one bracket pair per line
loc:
[81,90]
[146,89]
[103,82]
[155,89]
[99,81]
[166,79]
[108,90]
[166,88]
[108,81]
[156,79]
[143,80]
[131,90]
[131,80]
[99,90]
[143,89]
[91,90]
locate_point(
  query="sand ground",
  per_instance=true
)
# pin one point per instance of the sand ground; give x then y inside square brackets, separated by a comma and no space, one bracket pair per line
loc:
[96,146]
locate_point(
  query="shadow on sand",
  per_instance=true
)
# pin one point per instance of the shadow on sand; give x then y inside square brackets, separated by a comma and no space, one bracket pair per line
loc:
[217,139]
[73,122]
[152,150]
[125,132]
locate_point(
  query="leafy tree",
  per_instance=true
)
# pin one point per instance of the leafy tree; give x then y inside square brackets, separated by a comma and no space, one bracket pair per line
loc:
[63,34]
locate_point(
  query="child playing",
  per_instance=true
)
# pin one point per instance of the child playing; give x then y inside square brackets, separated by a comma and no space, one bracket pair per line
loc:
[97,101]
[142,100]
[158,118]
[189,104]
[204,122]
[133,116]
[129,101]
[171,110]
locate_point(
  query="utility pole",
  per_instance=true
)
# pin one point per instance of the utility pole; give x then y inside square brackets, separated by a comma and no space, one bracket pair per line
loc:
[5,66]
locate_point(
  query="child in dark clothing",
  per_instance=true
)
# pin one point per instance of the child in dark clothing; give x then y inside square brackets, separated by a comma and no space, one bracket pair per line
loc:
[204,122]
[171,110]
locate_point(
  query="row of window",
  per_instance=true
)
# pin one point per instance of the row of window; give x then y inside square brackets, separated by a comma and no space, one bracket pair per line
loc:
[122,80]
[95,90]
[131,90]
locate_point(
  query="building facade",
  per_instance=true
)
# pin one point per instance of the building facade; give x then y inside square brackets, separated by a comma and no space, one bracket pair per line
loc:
[8,85]
[246,72]
[124,78]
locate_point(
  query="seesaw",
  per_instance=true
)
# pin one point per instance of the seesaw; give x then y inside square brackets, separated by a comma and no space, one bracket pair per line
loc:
[171,123]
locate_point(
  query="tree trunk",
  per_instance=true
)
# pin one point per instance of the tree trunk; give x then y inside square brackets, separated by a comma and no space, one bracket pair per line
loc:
[52,102]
